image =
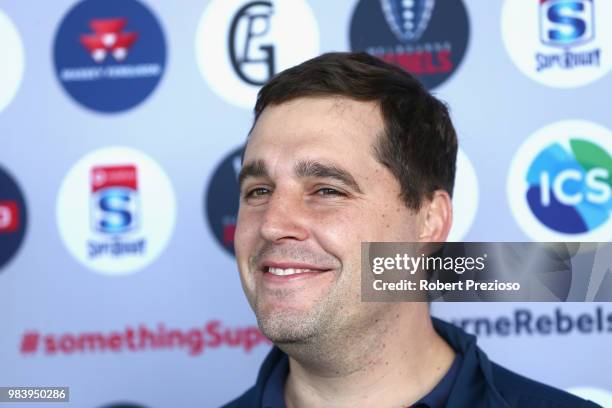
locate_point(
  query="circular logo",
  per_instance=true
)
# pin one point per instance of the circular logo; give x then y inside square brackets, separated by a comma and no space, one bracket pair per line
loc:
[465,198]
[116,210]
[109,54]
[240,44]
[427,38]
[222,200]
[13,217]
[11,68]
[559,43]
[560,183]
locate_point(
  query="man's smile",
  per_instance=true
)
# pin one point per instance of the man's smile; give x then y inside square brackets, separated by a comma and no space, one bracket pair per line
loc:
[287,271]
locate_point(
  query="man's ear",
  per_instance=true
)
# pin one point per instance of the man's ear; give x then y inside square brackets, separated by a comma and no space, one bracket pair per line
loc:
[436,217]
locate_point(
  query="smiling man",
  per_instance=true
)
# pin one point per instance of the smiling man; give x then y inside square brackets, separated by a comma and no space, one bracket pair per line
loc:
[345,149]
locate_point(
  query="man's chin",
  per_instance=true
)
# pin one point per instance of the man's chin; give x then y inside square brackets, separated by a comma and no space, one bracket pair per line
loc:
[288,326]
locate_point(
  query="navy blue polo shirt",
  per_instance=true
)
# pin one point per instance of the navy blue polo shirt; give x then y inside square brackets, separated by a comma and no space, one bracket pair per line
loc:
[475,381]
[273,392]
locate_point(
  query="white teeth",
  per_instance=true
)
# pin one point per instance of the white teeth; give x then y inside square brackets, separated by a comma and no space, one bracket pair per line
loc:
[285,272]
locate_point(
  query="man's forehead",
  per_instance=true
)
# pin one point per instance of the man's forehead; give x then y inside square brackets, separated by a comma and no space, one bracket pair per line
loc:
[318,117]
[315,126]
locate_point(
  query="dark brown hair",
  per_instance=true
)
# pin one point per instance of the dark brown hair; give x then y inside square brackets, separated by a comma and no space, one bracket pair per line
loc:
[419,144]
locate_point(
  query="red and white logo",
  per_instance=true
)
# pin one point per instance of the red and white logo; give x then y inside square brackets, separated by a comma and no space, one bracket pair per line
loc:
[114,199]
[108,38]
[131,211]
[9,216]
[113,176]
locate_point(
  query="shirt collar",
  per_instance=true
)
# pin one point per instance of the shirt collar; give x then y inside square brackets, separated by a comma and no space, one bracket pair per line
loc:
[274,388]
[474,386]
[438,397]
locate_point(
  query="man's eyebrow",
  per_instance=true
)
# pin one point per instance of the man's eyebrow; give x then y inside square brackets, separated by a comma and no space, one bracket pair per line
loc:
[311,168]
[256,168]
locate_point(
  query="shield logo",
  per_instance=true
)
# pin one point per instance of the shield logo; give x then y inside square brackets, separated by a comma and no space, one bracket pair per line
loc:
[408,19]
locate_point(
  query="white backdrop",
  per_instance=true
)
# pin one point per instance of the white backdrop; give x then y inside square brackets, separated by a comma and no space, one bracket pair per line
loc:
[165,324]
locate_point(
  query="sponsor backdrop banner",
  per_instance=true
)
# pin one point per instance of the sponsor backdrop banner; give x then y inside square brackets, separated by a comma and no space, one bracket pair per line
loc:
[121,126]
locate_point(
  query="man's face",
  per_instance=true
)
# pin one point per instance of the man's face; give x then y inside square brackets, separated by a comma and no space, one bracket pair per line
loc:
[311,192]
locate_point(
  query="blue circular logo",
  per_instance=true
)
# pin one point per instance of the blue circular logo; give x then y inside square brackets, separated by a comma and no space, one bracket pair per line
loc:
[109,54]
[570,190]
[427,38]
[222,200]
[560,183]
[13,217]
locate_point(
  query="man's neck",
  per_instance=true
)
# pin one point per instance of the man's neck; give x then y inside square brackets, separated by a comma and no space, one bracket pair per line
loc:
[396,362]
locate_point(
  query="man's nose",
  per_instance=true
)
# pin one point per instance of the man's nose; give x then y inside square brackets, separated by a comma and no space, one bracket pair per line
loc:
[285,218]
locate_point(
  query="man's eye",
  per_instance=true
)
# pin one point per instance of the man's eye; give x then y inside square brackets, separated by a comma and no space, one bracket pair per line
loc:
[329,191]
[257,192]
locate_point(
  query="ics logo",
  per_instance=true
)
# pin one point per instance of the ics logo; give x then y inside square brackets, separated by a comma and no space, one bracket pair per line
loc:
[240,44]
[13,217]
[560,183]
[11,68]
[109,54]
[222,200]
[116,210]
[561,43]
[427,38]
